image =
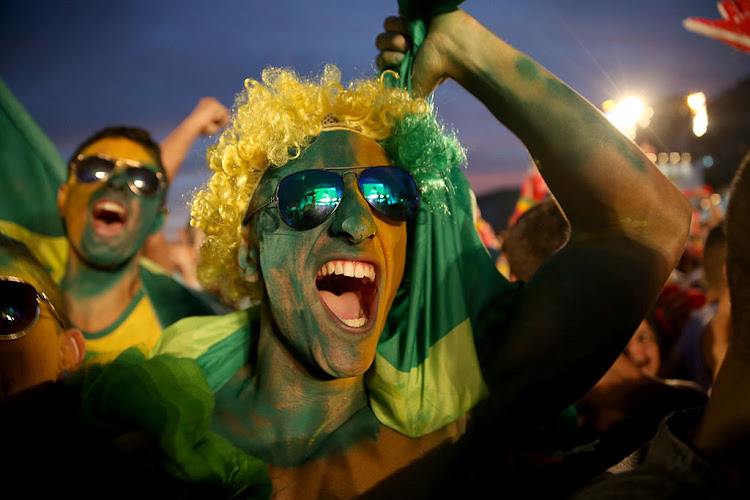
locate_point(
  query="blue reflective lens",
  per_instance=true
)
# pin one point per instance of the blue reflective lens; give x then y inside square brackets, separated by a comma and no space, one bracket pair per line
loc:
[391,191]
[307,198]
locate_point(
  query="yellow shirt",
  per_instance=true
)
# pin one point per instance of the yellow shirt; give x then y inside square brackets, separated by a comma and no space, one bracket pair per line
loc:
[138,327]
[141,324]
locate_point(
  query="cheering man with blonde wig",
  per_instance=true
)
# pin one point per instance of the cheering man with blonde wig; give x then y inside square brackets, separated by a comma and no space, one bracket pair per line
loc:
[382,341]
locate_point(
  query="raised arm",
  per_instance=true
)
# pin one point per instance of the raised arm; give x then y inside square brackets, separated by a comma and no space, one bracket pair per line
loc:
[208,117]
[628,222]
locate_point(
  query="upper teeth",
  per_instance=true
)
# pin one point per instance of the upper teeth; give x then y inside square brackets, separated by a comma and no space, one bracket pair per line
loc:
[111,206]
[351,268]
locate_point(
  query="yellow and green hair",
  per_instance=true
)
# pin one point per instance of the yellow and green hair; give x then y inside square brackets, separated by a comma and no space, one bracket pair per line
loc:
[275,119]
[426,372]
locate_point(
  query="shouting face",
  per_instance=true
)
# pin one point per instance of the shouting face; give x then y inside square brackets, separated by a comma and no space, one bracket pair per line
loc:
[107,215]
[329,286]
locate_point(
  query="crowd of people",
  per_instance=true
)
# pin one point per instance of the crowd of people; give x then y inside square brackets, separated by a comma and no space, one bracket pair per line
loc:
[338,321]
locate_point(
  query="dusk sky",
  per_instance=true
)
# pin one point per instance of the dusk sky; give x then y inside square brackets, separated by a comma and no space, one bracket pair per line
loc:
[78,66]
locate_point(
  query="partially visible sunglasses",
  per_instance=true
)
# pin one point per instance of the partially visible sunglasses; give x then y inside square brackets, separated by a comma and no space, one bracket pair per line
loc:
[306,199]
[20,306]
[142,181]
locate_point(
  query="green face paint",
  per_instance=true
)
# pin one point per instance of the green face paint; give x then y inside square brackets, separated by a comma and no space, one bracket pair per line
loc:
[106,223]
[330,287]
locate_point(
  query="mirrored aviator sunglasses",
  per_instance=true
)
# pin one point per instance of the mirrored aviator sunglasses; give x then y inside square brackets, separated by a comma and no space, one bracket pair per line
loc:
[141,180]
[20,307]
[306,199]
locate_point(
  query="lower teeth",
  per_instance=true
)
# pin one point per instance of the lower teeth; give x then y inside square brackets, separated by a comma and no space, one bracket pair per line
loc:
[355,323]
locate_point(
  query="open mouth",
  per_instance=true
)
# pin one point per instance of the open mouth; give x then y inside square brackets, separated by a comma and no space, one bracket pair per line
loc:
[109,217]
[348,288]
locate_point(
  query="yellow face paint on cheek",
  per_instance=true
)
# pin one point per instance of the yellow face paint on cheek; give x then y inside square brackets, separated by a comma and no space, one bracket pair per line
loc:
[394,245]
[330,314]
[75,211]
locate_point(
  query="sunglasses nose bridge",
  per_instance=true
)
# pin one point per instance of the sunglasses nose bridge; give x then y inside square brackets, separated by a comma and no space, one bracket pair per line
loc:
[353,217]
[118,179]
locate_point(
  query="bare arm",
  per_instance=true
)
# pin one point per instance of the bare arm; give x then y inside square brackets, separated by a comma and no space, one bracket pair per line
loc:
[628,222]
[208,117]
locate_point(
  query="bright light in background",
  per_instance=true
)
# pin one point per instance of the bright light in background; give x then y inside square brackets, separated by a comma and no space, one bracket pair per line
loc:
[627,114]
[697,103]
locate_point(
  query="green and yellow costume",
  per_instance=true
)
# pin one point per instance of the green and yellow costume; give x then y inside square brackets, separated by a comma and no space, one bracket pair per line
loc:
[426,372]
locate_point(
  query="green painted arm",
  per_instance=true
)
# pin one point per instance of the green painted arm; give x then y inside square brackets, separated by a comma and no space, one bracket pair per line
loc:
[629,222]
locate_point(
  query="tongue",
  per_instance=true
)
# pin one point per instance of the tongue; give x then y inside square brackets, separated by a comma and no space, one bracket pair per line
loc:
[106,228]
[345,306]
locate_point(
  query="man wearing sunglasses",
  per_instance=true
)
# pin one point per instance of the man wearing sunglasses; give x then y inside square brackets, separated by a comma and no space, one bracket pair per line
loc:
[387,352]
[112,202]
[89,220]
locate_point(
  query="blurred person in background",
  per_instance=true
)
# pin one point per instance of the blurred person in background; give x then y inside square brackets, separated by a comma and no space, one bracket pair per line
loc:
[623,409]
[700,349]
[88,221]
[703,452]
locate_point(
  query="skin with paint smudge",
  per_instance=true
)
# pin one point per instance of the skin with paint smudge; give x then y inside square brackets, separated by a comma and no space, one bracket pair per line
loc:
[290,261]
[98,243]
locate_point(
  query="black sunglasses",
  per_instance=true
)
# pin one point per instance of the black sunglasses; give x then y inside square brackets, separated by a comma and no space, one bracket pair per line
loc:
[141,180]
[20,306]
[306,199]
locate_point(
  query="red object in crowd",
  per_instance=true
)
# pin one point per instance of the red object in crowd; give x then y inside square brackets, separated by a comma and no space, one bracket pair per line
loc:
[673,308]
[700,191]
[533,190]
[733,28]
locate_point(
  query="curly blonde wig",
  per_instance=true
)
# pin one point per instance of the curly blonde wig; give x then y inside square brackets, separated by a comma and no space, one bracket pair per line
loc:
[273,121]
